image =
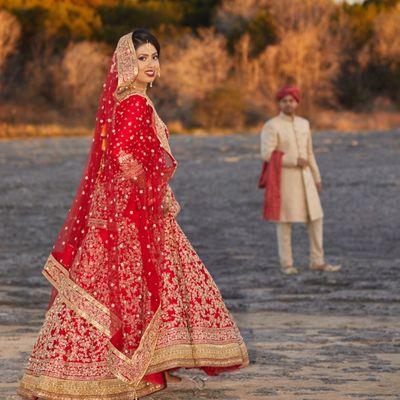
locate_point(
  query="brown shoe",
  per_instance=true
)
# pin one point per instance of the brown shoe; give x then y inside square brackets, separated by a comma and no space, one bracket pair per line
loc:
[325,267]
[290,270]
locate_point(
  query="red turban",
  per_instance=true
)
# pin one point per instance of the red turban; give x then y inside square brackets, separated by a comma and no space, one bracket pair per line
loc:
[289,90]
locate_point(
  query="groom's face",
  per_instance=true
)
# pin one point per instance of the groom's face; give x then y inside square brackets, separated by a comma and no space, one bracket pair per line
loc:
[288,104]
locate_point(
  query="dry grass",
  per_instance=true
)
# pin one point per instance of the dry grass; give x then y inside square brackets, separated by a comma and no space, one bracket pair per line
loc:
[21,131]
[346,122]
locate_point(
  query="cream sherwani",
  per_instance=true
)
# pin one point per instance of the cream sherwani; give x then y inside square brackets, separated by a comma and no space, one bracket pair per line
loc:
[299,195]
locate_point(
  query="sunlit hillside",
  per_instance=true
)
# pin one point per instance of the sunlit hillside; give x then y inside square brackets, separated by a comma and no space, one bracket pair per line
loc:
[222,61]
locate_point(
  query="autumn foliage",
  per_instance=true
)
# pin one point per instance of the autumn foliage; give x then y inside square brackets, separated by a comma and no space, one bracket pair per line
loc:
[222,60]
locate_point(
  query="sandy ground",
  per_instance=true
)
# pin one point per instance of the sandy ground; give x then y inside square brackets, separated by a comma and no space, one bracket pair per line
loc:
[313,336]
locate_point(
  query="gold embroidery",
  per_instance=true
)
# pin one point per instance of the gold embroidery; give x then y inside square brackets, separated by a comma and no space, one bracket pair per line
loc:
[130,167]
[85,305]
[192,328]
[97,222]
[199,355]
[207,354]
[158,125]
[127,69]
[73,357]
[170,203]
[127,65]
[71,389]
[161,130]
[95,312]
[135,368]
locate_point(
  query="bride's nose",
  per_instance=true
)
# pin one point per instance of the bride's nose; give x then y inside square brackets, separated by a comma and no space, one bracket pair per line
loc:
[153,63]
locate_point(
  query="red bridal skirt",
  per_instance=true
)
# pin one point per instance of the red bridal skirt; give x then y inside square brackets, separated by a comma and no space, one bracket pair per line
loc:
[69,358]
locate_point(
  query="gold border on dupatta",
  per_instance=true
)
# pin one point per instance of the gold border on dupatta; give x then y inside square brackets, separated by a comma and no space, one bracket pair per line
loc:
[135,368]
[51,388]
[91,309]
[130,370]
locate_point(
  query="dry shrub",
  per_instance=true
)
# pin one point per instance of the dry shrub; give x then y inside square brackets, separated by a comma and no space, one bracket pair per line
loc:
[302,58]
[231,12]
[384,47]
[38,70]
[379,60]
[354,122]
[192,67]
[79,77]
[309,53]
[10,32]
[214,77]
[249,75]
[222,108]
[298,15]
[242,8]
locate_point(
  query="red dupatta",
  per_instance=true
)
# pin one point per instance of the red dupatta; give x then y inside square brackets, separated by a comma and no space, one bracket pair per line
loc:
[270,180]
[117,209]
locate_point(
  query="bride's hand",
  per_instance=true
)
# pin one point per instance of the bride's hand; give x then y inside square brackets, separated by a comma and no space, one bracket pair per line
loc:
[140,181]
[166,208]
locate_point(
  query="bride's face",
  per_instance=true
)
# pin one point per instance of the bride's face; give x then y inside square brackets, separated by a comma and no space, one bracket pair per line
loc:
[148,63]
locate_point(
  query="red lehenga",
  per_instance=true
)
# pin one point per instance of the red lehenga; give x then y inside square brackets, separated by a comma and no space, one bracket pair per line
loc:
[131,299]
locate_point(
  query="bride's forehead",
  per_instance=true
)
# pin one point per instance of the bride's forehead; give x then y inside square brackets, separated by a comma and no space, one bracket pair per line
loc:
[146,48]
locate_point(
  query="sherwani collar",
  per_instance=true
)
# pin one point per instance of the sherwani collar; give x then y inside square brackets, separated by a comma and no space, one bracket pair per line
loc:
[286,117]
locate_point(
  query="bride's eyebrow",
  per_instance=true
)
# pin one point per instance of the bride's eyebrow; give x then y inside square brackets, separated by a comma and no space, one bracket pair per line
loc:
[147,54]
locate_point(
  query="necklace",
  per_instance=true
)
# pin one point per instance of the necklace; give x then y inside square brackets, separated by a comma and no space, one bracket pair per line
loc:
[124,91]
[137,89]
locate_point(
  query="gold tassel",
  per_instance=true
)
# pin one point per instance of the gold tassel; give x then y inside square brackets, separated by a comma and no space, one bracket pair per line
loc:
[103,135]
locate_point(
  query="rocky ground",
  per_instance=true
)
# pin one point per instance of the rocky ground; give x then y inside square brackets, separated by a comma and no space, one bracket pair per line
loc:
[313,336]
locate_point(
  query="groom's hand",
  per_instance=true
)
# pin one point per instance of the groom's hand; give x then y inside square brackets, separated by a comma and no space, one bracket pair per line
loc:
[302,162]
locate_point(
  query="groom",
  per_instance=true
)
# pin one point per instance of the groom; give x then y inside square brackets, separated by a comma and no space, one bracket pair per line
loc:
[286,145]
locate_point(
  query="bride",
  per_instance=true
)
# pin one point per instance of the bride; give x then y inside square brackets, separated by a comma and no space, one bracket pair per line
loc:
[131,300]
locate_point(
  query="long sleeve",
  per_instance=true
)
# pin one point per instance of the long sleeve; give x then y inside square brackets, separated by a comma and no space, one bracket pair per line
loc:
[312,161]
[269,143]
[135,138]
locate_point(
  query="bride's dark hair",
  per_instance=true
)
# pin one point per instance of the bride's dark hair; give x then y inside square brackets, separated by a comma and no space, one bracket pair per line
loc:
[143,36]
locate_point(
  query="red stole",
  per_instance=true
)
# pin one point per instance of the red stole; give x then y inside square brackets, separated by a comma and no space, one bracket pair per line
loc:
[270,179]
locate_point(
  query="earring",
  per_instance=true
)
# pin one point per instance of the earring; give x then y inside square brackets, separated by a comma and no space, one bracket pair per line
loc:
[151,84]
